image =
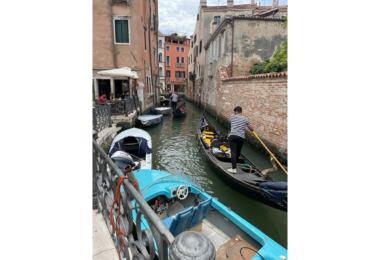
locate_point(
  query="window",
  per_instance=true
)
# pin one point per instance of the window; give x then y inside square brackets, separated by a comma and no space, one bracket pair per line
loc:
[177,59]
[160,57]
[223,43]
[154,55]
[191,44]
[197,17]
[168,74]
[177,49]
[217,19]
[145,37]
[200,46]
[195,38]
[179,74]
[182,59]
[168,60]
[159,44]
[149,85]
[160,71]
[182,49]
[121,28]
[167,48]
[154,22]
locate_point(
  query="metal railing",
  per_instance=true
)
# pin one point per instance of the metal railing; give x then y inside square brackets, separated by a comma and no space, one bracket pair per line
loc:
[138,243]
[101,118]
[102,113]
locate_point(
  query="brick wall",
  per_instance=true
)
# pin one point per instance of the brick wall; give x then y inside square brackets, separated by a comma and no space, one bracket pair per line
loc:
[264,100]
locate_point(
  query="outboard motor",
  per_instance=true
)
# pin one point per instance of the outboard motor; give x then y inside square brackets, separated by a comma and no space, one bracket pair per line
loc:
[153,111]
[122,159]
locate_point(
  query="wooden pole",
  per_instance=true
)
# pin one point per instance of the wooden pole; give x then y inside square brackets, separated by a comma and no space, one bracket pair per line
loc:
[282,167]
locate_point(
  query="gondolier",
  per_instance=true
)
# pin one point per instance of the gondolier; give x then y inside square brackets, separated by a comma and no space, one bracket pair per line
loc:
[237,135]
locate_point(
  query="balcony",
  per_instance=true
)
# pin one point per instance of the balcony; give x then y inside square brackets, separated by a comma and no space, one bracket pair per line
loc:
[180,65]
[168,64]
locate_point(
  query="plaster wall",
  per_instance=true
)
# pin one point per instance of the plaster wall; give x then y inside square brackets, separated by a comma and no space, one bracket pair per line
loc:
[255,40]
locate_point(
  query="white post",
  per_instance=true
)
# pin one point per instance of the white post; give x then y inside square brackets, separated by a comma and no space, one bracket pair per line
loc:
[112,86]
[96,88]
[140,94]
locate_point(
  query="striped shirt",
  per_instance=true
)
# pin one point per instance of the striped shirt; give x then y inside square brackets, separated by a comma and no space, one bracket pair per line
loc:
[238,124]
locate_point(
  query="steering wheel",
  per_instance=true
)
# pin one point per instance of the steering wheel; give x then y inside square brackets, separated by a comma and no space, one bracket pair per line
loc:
[182,192]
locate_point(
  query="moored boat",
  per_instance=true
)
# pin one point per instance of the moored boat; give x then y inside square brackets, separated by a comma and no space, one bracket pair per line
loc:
[248,179]
[135,142]
[183,206]
[180,110]
[149,119]
[163,110]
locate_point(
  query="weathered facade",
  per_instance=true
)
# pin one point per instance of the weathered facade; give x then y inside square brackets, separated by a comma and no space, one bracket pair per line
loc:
[125,35]
[209,20]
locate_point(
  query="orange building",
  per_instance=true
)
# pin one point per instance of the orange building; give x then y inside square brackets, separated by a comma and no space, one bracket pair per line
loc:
[176,53]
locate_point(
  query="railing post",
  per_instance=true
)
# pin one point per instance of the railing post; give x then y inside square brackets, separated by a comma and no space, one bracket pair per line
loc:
[94,120]
[109,116]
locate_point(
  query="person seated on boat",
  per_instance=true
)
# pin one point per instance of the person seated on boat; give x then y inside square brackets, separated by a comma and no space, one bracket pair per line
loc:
[122,159]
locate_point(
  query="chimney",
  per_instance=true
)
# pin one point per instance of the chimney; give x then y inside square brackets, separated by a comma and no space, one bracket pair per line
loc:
[230,3]
[203,3]
[252,2]
[275,4]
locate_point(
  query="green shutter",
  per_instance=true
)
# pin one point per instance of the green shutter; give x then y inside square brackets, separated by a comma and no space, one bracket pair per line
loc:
[118,31]
[125,31]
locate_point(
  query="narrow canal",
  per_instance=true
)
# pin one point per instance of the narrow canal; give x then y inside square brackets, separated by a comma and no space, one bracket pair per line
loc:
[175,151]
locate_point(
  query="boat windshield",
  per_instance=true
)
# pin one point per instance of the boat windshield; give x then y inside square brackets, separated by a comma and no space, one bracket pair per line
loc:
[181,178]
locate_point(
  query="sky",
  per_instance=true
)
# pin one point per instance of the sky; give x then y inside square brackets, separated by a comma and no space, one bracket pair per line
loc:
[180,16]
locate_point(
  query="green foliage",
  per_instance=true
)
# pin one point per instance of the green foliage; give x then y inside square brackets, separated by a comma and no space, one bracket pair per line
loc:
[258,68]
[280,59]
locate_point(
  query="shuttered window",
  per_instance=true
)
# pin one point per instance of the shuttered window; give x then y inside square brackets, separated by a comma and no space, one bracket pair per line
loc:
[121,27]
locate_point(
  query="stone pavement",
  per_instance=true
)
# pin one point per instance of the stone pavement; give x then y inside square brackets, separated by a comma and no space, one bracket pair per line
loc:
[103,247]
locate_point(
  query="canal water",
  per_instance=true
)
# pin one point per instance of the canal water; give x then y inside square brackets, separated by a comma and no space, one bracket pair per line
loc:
[175,151]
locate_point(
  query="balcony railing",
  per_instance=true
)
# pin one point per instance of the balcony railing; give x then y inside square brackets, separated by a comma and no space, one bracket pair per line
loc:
[181,65]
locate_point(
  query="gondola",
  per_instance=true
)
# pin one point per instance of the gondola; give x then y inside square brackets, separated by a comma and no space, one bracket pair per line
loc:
[249,179]
[180,111]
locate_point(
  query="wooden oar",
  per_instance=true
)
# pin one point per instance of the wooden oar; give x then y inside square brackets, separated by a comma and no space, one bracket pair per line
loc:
[258,138]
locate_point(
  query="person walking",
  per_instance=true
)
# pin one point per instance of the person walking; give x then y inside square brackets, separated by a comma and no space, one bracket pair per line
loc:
[174,98]
[237,135]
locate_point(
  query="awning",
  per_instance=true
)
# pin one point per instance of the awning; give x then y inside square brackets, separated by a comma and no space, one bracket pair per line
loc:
[119,73]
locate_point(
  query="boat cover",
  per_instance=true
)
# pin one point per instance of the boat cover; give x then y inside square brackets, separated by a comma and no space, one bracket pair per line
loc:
[153,111]
[143,145]
[276,189]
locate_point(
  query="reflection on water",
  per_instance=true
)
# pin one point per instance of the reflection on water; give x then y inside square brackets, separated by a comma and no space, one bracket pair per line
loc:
[175,151]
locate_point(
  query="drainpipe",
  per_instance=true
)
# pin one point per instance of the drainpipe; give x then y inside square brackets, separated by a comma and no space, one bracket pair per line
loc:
[150,53]
[232,48]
